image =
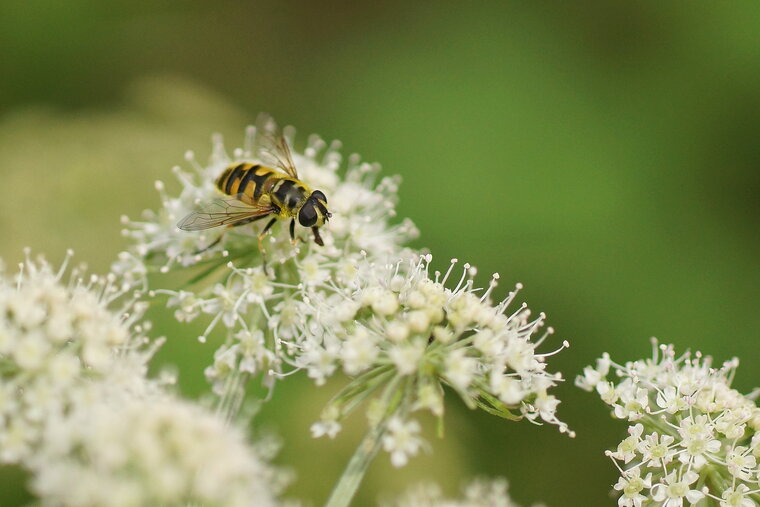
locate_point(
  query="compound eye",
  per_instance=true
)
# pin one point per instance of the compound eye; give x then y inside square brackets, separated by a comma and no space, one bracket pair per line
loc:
[307,217]
[317,194]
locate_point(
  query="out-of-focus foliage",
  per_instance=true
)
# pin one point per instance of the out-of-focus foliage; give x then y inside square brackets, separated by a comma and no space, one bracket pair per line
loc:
[605,154]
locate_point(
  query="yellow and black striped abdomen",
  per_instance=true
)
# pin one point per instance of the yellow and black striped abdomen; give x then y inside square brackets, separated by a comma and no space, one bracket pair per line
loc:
[251,180]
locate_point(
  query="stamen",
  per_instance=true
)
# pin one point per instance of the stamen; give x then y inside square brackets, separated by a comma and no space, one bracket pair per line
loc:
[448,272]
[464,275]
[510,297]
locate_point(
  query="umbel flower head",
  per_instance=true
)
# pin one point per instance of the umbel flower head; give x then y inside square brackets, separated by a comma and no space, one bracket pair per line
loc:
[478,493]
[77,411]
[691,436]
[153,450]
[408,332]
[56,338]
[361,304]
[399,332]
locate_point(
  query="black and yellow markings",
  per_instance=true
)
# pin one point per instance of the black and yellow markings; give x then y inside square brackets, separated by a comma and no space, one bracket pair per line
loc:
[258,175]
[237,179]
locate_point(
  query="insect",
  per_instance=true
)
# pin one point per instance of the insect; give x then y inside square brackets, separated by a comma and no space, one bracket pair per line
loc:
[257,191]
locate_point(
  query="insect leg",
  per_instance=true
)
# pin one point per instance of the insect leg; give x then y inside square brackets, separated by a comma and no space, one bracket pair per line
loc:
[293,231]
[215,242]
[266,229]
[210,245]
[261,242]
[317,237]
[230,226]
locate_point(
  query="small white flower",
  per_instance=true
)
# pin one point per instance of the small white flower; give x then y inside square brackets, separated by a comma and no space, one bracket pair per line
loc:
[319,362]
[741,463]
[189,307]
[328,425]
[460,369]
[401,440]
[419,321]
[632,404]
[430,397]
[695,428]
[346,311]
[631,484]
[397,331]
[406,356]
[358,353]
[383,302]
[31,352]
[697,448]
[737,497]
[607,392]
[626,450]
[507,388]
[488,343]
[674,490]
[656,450]
[600,372]
[671,400]
[322,428]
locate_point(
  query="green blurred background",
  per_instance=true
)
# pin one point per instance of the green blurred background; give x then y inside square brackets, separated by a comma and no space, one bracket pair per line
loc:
[605,154]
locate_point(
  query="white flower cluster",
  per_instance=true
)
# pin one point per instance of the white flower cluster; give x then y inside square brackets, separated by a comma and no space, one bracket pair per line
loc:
[362,304]
[78,412]
[54,339]
[150,451]
[691,437]
[399,326]
[478,493]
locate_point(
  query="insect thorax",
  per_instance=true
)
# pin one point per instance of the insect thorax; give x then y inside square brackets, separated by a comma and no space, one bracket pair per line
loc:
[289,194]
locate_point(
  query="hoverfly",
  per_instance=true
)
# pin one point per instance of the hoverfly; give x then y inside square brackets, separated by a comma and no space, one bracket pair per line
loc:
[257,191]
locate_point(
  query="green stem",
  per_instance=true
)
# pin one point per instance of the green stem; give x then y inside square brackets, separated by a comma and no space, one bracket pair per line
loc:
[231,399]
[346,487]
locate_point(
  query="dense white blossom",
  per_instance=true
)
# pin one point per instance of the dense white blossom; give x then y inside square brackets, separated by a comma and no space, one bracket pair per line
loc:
[692,436]
[396,328]
[78,412]
[153,450]
[57,338]
[478,493]
[411,327]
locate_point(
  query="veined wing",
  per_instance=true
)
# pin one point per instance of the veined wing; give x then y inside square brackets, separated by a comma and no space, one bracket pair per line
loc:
[223,212]
[271,147]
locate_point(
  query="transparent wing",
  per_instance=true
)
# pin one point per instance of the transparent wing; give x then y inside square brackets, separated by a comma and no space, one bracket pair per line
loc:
[223,212]
[271,147]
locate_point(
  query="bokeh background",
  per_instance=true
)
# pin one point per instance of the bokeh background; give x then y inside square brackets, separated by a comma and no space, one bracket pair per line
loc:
[604,153]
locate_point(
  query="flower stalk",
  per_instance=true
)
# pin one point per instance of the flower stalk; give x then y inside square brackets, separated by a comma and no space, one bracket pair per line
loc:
[352,476]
